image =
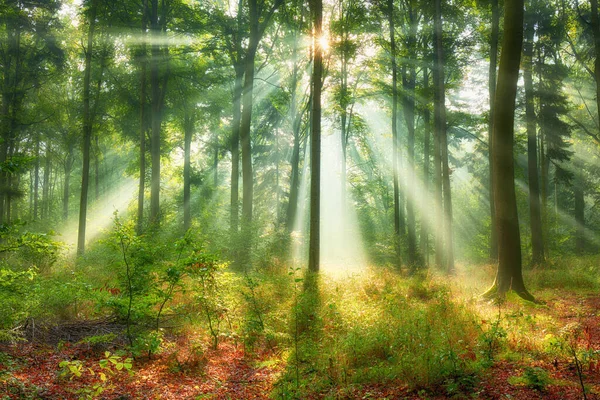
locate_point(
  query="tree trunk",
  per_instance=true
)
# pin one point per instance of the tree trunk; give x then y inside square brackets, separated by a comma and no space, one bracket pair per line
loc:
[395,152]
[595,23]
[46,185]
[143,121]
[537,243]
[492,92]
[96,166]
[509,275]
[440,127]
[315,154]
[67,182]
[246,120]
[36,182]
[235,149]
[156,97]
[408,106]
[187,146]
[579,214]
[426,161]
[87,133]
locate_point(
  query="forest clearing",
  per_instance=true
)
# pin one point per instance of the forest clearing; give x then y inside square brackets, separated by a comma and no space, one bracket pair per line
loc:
[299,199]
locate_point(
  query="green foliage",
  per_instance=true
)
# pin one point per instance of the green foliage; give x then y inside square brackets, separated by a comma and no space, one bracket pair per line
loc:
[101,374]
[533,377]
[380,330]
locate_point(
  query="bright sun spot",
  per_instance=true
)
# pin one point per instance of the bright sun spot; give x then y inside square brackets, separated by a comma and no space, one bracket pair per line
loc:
[323,42]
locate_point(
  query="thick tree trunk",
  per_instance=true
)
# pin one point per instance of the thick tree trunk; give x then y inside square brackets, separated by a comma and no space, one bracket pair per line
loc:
[440,127]
[315,154]
[87,133]
[492,91]
[509,275]
[395,152]
[537,243]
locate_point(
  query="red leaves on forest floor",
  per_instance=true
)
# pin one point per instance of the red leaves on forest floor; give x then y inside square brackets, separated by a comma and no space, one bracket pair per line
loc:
[185,371]
[225,373]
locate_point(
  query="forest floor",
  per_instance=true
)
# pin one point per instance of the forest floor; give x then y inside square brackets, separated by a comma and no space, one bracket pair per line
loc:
[181,371]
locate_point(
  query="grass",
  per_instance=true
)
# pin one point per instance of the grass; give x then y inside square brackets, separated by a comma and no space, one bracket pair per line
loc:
[339,337]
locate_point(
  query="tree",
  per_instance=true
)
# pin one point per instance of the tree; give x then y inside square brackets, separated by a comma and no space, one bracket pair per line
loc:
[87,129]
[509,274]
[441,137]
[494,38]
[535,216]
[395,153]
[316,7]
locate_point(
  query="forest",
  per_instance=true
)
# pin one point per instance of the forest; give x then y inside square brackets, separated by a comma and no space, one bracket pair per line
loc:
[299,199]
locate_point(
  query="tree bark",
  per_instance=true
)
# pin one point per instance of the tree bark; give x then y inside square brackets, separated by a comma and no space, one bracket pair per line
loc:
[537,243]
[246,119]
[579,214]
[187,146]
[143,121]
[235,149]
[426,161]
[395,152]
[45,186]
[315,154]
[87,132]
[67,181]
[509,275]
[492,92]
[440,127]
[157,99]
[595,23]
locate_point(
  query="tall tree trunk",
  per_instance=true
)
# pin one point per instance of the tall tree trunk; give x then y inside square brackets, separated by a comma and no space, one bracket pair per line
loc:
[395,152]
[87,132]
[315,153]
[492,92]
[46,185]
[579,214]
[235,148]
[216,164]
[143,121]
[408,106]
[537,243]
[67,182]
[187,146]
[440,127]
[36,182]
[295,160]
[595,23]
[156,97]
[96,167]
[509,275]
[246,121]
[426,161]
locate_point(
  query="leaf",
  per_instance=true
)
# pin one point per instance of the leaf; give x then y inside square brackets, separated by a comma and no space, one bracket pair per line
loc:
[102,376]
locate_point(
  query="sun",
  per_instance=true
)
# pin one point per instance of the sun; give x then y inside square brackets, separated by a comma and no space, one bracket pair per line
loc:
[323,42]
